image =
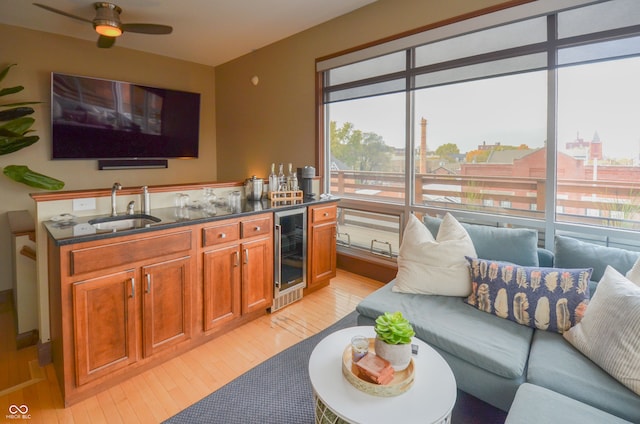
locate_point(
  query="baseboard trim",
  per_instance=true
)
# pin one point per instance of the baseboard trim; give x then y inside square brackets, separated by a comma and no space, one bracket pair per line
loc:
[27,339]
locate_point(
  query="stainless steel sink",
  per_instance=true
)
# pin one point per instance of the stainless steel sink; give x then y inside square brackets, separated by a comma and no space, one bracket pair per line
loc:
[124,222]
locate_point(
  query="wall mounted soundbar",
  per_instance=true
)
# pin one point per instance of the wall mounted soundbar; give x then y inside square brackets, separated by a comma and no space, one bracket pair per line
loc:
[111,164]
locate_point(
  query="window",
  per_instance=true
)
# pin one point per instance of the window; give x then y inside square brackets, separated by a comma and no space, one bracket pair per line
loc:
[472,123]
[375,232]
[597,107]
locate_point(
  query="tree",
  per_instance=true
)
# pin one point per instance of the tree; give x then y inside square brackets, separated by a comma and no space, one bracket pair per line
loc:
[477,156]
[361,151]
[447,150]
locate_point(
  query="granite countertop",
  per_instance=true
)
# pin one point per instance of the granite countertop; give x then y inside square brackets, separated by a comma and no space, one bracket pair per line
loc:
[68,229]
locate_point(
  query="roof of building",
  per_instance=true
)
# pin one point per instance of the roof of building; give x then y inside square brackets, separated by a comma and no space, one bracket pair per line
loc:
[508,156]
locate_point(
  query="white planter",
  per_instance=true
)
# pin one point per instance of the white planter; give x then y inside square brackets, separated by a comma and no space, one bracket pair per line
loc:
[398,355]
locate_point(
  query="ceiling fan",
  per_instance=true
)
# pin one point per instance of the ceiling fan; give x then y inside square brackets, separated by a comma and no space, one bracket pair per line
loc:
[107,23]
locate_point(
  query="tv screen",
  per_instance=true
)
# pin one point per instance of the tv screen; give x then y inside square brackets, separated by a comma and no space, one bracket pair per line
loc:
[95,118]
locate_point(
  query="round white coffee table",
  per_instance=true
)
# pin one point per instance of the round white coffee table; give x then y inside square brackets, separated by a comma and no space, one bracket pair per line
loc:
[429,400]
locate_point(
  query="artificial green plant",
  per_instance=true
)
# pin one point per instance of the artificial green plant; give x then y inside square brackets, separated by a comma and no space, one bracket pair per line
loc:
[16,134]
[393,328]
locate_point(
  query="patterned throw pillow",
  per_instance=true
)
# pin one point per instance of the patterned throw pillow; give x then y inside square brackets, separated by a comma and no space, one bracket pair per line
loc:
[551,299]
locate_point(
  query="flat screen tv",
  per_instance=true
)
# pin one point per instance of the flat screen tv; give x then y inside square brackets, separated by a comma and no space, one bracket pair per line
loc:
[95,118]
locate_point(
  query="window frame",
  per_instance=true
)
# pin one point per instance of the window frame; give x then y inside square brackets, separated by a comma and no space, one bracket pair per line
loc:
[549,226]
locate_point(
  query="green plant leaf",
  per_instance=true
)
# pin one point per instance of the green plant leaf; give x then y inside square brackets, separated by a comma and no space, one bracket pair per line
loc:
[23,174]
[19,104]
[393,328]
[13,144]
[11,90]
[14,113]
[5,71]
[19,125]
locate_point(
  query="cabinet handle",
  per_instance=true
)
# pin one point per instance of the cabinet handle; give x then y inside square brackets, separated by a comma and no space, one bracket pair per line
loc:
[237,259]
[246,256]
[133,287]
[256,229]
[278,255]
[222,235]
[326,214]
[148,276]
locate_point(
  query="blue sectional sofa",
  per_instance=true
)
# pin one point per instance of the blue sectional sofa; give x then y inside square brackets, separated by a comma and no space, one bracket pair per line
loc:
[492,357]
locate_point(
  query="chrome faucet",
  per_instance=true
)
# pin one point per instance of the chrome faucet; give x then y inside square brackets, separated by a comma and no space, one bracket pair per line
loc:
[116,187]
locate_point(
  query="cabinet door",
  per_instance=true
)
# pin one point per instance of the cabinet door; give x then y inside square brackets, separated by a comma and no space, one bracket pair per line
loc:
[221,278]
[104,325]
[257,275]
[166,312]
[323,252]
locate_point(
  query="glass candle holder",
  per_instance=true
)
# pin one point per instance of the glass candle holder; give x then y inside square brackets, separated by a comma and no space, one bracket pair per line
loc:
[359,347]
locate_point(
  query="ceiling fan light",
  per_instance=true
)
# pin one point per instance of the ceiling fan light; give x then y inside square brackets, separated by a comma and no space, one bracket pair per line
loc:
[108,30]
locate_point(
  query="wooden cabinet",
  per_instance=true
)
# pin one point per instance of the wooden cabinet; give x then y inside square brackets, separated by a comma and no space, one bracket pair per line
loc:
[105,309]
[257,275]
[221,273]
[116,304]
[120,305]
[104,325]
[237,269]
[166,313]
[321,245]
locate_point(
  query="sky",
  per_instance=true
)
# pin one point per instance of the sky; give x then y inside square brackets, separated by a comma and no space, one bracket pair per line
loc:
[602,97]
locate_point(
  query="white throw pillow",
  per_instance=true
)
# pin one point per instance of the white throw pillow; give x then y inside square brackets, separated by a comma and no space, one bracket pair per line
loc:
[608,332]
[428,266]
[633,274]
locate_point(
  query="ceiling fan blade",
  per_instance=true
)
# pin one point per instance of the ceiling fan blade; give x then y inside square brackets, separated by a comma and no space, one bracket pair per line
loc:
[147,28]
[60,12]
[106,42]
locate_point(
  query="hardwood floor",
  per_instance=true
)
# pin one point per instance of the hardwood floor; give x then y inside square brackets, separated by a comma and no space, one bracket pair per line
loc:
[163,391]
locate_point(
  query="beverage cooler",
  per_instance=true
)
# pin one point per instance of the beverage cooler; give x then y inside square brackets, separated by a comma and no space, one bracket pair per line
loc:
[290,255]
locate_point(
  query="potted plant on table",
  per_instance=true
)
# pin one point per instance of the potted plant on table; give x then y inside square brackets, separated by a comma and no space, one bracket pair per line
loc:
[393,339]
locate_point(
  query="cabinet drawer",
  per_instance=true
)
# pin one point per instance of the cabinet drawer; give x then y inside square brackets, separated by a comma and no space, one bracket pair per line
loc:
[129,251]
[256,227]
[219,234]
[324,214]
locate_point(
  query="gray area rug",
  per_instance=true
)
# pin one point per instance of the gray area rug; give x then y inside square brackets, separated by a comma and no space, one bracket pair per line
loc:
[278,391]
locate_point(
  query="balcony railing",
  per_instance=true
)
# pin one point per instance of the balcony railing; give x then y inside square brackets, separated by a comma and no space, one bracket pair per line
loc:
[599,203]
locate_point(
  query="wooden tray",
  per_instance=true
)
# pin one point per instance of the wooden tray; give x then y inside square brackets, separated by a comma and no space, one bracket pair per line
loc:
[402,380]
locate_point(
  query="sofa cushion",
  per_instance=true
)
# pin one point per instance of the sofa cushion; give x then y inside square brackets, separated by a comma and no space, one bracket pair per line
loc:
[573,253]
[558,366]
[516,245]
[634,273]
[545,257]
[550,299]
[609,333]
[493,344]
[526,409]
[434,266]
